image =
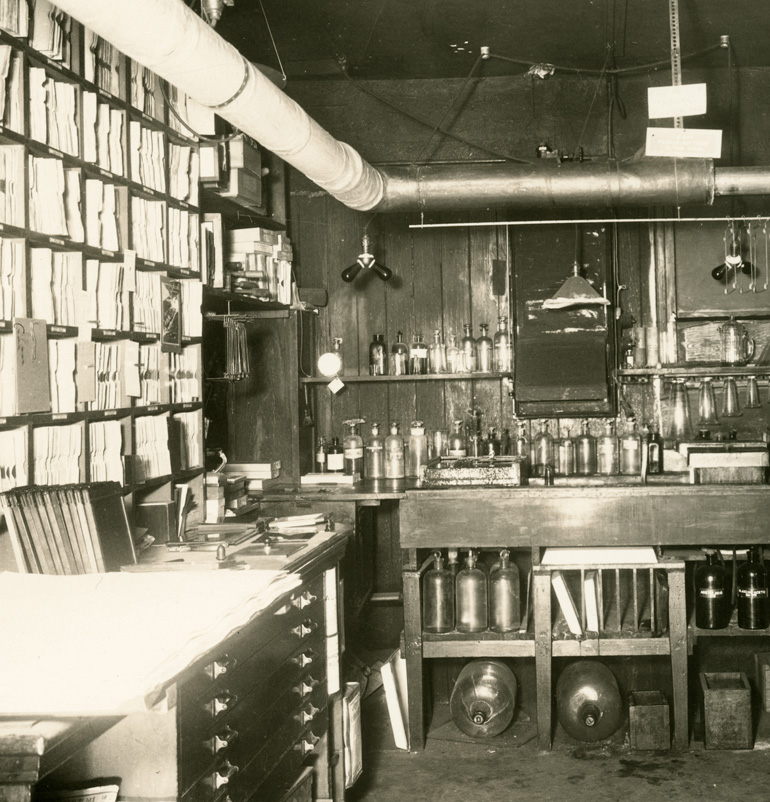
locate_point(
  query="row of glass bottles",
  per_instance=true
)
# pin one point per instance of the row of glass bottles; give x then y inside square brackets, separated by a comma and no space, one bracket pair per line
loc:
[470,600]
[471,355]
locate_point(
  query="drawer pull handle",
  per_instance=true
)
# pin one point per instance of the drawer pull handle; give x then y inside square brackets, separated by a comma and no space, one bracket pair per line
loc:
[224,774]
[222,665]
[307,745]
[307,714]
[306,688]
[224,701]
[304,659]
[305,629]
[303,600]
[222,739]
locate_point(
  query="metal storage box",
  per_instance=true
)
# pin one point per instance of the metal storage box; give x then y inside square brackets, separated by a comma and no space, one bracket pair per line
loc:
[648,720]
[727,710]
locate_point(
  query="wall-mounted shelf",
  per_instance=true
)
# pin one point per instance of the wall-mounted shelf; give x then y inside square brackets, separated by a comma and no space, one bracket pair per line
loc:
[690,371]
[462,377]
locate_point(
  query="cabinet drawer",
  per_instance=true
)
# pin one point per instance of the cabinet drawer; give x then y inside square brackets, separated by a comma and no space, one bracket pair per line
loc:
[255,684]
[292,742]
[302,605]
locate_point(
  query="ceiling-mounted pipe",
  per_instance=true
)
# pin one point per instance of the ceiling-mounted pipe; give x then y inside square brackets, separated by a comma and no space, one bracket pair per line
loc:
[175,43]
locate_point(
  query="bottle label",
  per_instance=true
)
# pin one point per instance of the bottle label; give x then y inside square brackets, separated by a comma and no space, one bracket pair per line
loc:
[711,593]
[419,351]
[753,593]
[335,462]
[457,453]
[354,453]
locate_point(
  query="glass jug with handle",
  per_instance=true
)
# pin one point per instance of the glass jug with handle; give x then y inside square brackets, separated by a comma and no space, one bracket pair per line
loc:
[737,346]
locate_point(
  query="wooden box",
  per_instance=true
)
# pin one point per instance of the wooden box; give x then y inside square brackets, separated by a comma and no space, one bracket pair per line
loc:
[649,725]
[727,710]
[762,664]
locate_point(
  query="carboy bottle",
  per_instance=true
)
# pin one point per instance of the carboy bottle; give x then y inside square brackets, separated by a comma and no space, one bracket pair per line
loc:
[416,450]
[418,356]
[438,597]
[753,602]
[585,451]
[457,446]
[353,449]
[502,347]
[378,356]
[607,451]
[504,595]
[394,454]
[374,454]
[588,701]
[453,355]
[399,356]
[712,592]
[437,354]
[543,450]
[468,350]
[631,452]
[483,699]
[335,461]
[484,350]
[471,597]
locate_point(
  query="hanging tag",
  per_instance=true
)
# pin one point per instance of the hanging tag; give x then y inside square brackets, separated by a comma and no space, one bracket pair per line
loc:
[336,384]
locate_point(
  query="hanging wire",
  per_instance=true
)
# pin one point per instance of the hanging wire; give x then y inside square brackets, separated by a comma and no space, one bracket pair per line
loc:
[272,39]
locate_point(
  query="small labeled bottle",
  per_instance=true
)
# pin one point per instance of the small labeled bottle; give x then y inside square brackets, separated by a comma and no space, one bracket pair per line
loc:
[437,354]
[438,597]
[504,595]
[566,454]
[453,355]
[585,451]
[394,454]
[418,356]
[378,356]
[320,455]
[630,463]
[543,450]
[335,460]
[399,356]
[713,588]
[353,449]
[468,351]
[457,447]
[607,451]
[374,454]
[484,350]
[471,604]
[654,450]
[502,347]
[416,450]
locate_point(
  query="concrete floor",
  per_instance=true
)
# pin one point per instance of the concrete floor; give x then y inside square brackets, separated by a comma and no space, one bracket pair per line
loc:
[512,768]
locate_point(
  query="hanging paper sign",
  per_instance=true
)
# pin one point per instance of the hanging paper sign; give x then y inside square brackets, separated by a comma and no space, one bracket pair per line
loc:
[676,101]
[682,143]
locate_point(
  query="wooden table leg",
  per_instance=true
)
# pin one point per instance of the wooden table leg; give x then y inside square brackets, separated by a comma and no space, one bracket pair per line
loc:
[413,654]
[543,653]
[677,633]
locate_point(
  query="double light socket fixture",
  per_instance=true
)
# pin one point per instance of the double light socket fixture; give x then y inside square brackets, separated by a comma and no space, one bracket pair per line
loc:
[366,261]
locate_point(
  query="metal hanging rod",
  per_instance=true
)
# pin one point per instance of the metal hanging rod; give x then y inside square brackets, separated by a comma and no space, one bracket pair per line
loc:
[594,220]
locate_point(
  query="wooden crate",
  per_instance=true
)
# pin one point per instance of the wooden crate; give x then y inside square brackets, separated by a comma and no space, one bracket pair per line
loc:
[727,710]
[648,720]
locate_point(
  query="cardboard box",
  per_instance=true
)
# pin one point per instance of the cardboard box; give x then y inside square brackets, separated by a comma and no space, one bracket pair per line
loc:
[649,726]
[727,710]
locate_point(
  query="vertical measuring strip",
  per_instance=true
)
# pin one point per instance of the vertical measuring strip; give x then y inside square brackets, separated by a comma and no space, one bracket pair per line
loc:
[676,53]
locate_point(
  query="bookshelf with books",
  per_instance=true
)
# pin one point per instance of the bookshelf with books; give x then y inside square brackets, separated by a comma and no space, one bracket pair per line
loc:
[100,278]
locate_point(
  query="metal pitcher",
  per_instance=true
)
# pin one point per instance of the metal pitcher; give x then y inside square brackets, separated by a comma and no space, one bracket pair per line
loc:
[737,346]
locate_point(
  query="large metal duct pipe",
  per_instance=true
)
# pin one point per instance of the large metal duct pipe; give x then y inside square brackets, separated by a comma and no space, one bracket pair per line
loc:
[172,41]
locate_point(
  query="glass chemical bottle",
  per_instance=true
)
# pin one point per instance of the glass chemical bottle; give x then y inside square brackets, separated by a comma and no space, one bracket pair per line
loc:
[713,587]
[585,451]
[468,351]
[566,454]
[335,460]
[504,595]
[521,447]
[378,356]
[399,356]
[453,355]
[320,456]
[753,601]
[607,451]
[631,452]
[484,350]
[416,450]
[418,356]
[374,454]
[437,354]
[654,450]
[353,449]
[471,610]
[543,450]
[457,446]
[438,597]
[394,454]
[337,349]
[502,347]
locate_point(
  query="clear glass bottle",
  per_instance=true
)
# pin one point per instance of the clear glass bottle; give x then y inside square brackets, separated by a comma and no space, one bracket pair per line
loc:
[484,350]
[607,451]
[320,456]
[399,356]
[588,701]
[394,454]
[504,595]
[457,447]
[483,700]
[471,604]
[416,450]
[418,356]
[374,454]
[378,356]
[437,354]
[353,449]
[468,350]
[337,349]
[335,460]
[630,462]
[502,346]
[566,454]
[438,597]
[585,451]
[521,446]
[654,450]
[543,450]
[453,355]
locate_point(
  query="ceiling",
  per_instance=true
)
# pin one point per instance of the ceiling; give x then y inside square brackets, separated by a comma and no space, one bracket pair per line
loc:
[403,39]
